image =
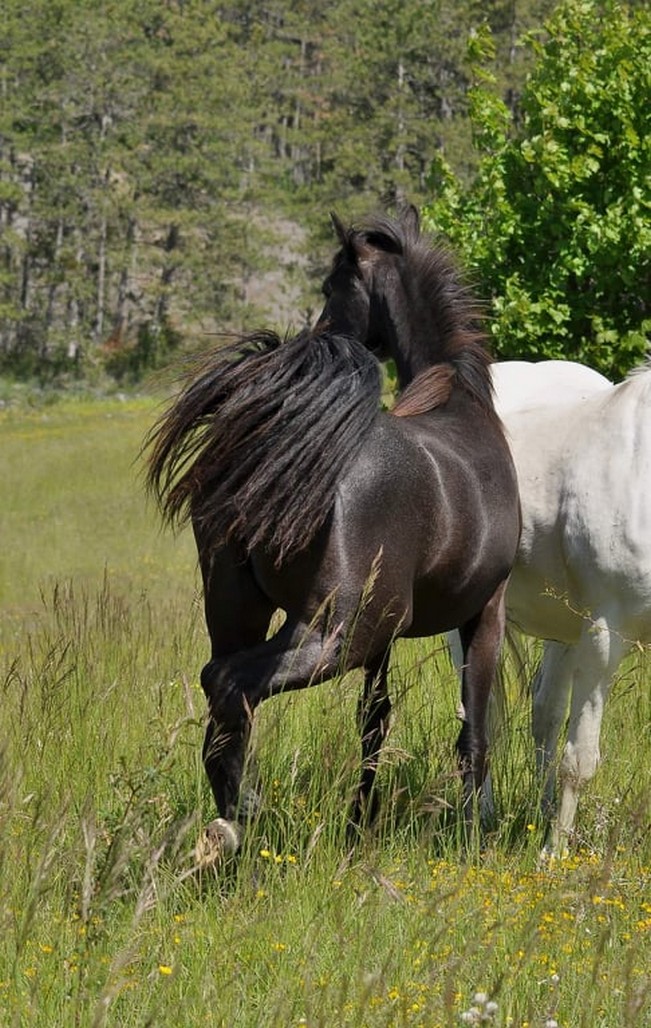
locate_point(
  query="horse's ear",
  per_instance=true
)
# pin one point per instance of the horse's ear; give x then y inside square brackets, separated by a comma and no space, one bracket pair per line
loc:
[340,229]
[410,221]
[356,245]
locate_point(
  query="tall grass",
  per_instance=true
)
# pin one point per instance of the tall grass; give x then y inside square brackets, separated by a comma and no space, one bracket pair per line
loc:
[103,919]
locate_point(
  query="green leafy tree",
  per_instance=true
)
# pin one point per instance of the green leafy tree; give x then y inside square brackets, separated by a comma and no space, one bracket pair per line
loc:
[556,224]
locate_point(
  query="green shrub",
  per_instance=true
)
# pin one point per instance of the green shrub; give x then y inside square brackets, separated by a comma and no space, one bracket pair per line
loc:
[555,226]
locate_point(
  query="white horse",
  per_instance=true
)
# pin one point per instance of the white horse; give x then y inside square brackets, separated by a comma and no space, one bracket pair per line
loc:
[582,580]
[583,573]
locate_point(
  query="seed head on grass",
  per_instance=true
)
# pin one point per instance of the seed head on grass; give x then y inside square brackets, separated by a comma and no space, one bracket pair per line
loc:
[482,1011]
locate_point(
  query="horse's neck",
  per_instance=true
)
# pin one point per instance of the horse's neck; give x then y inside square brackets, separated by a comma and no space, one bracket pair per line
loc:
[639,382]
[411,345]
[415,356]
[414,336]
[630,400]
[409,366]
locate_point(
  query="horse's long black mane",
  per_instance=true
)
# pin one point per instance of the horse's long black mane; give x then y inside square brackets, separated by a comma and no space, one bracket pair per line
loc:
[256,441]
[432,286]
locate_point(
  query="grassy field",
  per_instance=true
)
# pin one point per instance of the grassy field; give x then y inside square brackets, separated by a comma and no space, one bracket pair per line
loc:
[103,919]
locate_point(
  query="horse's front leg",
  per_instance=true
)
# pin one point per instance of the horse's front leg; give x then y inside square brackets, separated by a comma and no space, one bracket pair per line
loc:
[298,655]
[237,617]
[550,689]
[481,640]
[224,749]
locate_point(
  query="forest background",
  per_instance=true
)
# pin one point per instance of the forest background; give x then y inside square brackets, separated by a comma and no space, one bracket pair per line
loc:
[167,168]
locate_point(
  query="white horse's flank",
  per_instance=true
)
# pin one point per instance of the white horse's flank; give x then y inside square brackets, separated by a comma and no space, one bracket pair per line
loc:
[583,574]
[582,580]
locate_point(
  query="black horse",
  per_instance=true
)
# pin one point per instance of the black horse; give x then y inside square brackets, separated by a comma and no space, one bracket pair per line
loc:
[361,525]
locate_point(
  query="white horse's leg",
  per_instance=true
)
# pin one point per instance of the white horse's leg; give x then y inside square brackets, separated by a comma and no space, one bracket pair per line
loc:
[550,690]
[455,650]
[597,656]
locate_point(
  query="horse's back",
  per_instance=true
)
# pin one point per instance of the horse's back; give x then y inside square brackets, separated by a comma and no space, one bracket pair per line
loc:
[521,384]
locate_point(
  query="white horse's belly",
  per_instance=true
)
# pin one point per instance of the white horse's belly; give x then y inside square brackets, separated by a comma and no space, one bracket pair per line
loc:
[537,607]
[537,599]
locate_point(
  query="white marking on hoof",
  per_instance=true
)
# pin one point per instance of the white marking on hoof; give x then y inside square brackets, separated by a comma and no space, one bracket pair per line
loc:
[461,712]
[219,839]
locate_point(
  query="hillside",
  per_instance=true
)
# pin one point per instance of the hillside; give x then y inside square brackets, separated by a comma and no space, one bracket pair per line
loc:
[152,158]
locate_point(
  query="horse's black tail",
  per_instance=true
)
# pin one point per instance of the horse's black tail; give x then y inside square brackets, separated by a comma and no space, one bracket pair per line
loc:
[253,446]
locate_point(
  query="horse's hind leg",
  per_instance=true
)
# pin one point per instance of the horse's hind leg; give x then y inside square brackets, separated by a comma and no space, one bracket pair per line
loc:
[481,639]
[373,719]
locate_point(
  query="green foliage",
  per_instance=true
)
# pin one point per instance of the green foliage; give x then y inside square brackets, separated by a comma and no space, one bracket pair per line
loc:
[154,345]
[556,225]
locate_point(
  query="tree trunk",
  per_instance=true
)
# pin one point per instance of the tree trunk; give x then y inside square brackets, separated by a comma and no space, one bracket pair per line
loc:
[50,311]
[98,329]
[167,274]
[121,316]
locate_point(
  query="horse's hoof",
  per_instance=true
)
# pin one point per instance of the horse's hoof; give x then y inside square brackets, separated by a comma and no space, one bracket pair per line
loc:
[551,856]
[220,839]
